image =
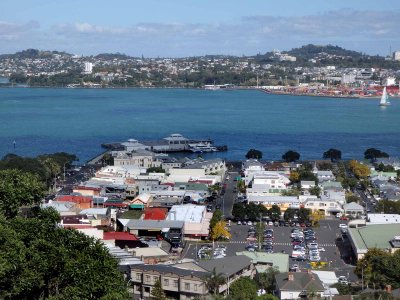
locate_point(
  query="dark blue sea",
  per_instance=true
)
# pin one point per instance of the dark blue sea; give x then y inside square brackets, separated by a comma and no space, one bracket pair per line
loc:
[80,120]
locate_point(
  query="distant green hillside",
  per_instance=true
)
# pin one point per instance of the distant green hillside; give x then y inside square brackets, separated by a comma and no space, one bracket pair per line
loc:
[33,53]
[311,51]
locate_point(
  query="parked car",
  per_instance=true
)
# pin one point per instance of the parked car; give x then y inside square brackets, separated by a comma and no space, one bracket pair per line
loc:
[239,222]
[343,280]
[343,226]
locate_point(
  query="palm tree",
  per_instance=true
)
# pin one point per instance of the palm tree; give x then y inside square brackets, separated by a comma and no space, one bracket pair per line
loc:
[214,280]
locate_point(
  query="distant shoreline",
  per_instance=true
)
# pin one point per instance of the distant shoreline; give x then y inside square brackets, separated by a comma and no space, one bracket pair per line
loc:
[272,92]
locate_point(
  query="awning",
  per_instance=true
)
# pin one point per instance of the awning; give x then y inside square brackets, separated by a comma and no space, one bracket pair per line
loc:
[141,206]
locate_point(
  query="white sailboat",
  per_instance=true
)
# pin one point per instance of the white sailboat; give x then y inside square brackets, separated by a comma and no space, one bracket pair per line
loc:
[384,99]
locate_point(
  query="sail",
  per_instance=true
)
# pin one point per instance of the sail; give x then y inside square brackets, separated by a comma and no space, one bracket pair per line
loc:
[384,98]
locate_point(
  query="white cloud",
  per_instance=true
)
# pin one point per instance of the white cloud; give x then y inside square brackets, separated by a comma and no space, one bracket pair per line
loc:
[367,31]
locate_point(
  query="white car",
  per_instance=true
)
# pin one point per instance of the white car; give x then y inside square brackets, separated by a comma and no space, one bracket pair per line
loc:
[312,246]
[249,223]
[239,223]
[343,280]
[343,226]
[321,249]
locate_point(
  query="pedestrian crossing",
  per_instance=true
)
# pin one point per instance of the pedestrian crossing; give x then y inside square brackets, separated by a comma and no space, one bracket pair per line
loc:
[281,244]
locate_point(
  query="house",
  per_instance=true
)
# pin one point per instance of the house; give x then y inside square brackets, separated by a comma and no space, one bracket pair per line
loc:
[305,185]
[353,209]
[323,176]
[176,283]
[122,239]
[298,285]
[87,190]
[139,158]
[329,207]
[82,202]
[331,186]
[252,165]
[284,202]
[64,208]
[141,201]
[195,217]
[172,231]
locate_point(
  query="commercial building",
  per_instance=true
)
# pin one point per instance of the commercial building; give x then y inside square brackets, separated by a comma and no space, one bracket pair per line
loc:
[383,236]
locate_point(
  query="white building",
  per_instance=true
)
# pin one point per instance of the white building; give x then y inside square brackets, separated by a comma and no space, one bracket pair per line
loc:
[284,202]
[88,68]
[329,207]
[396,55]
[139,158]
[266,183]
[195,217]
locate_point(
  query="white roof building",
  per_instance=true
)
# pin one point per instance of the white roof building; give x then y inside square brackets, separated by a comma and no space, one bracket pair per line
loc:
[383,219]
[195,217]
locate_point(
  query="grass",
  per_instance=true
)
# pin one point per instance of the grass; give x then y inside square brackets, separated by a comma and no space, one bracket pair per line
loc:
[132,214]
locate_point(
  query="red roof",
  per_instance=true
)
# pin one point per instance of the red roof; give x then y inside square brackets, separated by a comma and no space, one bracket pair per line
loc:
[155,213]
[115,204]
[122,236]
[75,199]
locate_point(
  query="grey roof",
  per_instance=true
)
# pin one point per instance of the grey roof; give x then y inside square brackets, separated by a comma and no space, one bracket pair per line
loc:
[227,265]
[154,224]
[353,206]
[165,269]
[301,281]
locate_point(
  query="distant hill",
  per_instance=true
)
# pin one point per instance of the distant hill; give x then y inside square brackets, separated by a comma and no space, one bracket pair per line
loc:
[34,53]
[310,51]
[112,56]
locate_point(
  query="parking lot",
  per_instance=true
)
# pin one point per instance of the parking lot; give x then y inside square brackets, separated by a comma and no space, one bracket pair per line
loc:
[328,236]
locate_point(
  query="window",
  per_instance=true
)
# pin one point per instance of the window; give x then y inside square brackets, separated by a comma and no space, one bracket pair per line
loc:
[147,278]
[155,278]
[187,286]
[138,276]
[175,283]
[195,287]
[166,282]
[311,204]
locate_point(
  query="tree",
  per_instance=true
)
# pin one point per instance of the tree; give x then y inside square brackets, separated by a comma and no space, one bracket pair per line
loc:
[350,197]
[315,190]
[217,216]
[219,231]
[253,153]
[316,216]
[214,280]
[155,170]
[304,214]
[372,154]
[18,189]
[266,280]
[239,211]
[333,154]
[294,177]
[289,214]
[39,260]
[243,288]
[359,170]
[291,156]
[157,293]
[275,212]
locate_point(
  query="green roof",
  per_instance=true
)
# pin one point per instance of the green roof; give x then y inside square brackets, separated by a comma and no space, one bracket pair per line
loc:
[193,186]
[261,259]
[384,174]
[374,236]
[334,184]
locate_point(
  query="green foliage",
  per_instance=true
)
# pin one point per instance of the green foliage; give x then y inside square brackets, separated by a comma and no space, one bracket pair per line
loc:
[332,154]
[214,280]
[18,189]
[373,154]
[350,197]
[250,211]
[253,153]
[291,156]
[217,216]
[275,212]
[157,293]
[243,288]
[266,280]
[46,166]
[155,170]
[388,207]
[291,192]
[315,190]
[39,260]
[383,168]
[379,268]
[267,297]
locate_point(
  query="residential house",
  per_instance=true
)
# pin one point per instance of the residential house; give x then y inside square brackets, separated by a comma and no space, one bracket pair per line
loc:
[263,261]
[323,176]
[298,285]
[305,185]
[176,283]
[82,202]
[353,209]
[141,201]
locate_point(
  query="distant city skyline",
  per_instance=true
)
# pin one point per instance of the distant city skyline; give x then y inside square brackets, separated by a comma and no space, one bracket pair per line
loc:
[179,28]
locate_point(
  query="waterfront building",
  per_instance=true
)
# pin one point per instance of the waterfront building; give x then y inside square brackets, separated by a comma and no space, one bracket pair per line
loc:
[139,158]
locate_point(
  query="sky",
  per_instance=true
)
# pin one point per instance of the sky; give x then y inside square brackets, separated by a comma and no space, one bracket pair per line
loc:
[179,28]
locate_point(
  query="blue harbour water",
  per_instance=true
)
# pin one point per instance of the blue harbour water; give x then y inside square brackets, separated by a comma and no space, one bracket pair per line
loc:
[80,120]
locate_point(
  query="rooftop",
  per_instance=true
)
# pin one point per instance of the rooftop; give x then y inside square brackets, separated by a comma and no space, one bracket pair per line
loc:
[301,281]
[374,236]
[279,260]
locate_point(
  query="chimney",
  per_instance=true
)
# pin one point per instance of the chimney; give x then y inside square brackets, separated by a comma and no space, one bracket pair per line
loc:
[290,277]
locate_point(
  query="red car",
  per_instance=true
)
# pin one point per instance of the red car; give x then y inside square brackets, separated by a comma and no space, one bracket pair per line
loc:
[344,218]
